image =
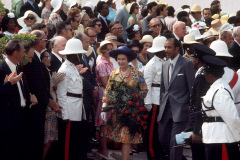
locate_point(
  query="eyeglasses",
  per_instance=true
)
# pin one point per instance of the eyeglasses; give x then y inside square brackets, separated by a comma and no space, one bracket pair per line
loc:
[93,36]
[44,40]
[120,28]
[48,57]
[99,25]
[136,51]
[30,18]
[156,25]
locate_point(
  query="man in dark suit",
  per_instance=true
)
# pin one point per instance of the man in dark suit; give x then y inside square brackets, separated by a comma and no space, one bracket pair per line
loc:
[30,5]
[58,44]
[235,50]
[177,81]
[14,99]
[179,31]
[103,10]
[38,81]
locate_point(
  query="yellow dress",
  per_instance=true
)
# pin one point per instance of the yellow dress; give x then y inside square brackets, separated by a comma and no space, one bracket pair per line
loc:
[113,130]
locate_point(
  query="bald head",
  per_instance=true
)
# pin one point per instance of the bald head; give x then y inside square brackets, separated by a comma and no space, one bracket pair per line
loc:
[179,29]
[41,41]
[58,44]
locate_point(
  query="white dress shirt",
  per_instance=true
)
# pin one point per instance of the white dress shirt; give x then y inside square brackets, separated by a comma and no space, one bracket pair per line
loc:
[73,108]
[58,57]
[12,67]
[221,132]
[38,54]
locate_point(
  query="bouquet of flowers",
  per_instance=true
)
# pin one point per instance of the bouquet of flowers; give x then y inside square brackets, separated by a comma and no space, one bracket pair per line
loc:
[129,107]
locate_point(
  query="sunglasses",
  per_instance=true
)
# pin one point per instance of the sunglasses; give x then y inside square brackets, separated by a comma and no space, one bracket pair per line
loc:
[156,25]
[120,28]
[93,36]
[99,25]
[30,18]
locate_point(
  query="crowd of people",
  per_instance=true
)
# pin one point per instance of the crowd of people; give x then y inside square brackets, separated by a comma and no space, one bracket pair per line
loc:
[184,62]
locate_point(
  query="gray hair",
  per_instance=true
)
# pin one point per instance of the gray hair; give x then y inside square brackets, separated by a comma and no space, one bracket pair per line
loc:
[235,31]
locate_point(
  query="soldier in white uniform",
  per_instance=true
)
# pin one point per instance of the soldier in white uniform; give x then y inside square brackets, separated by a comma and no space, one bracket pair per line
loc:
[69,94]
[152,76]
[220,129]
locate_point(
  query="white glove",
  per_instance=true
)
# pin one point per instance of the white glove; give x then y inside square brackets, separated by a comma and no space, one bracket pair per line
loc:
[104,116]
[148,107]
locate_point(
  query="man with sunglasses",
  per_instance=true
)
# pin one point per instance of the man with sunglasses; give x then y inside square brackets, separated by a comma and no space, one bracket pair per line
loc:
[103,10]
[155,26]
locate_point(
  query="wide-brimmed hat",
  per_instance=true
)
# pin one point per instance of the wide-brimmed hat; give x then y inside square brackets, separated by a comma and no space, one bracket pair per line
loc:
[196,8]
[112,38]
[104,43]
[226,27]
[216,16]
[215,26]
[199,25]
[21,19]
[71,3]
[73,46]
[128,7]
[189,39]
[134,43]
[146,38]
[123,50]
[132,29]
[224,18]
[221,49]
[90,4]
[196,33]
[208,35]
[158,44]
[56,4]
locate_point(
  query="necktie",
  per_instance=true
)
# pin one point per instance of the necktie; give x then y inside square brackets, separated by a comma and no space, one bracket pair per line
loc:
[181,48]
[170,71]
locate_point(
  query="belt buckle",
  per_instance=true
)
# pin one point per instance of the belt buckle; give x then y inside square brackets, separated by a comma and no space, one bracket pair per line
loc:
[215,119]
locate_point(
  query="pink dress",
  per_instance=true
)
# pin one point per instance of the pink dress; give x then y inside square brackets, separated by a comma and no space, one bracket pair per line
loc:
[103,68]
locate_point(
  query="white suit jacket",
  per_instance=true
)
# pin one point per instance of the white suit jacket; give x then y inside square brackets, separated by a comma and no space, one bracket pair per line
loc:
[221,132]
[73,108]
[152,75]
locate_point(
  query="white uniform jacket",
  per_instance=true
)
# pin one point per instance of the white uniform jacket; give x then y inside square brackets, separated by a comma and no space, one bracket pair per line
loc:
[227,77]
[152,75]
[221,132]
[73,108]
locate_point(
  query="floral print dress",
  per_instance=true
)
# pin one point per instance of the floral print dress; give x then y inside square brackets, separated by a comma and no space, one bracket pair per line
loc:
[113,130]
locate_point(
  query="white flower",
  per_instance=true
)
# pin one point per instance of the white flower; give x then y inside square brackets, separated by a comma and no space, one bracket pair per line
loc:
[136,28]
[11,15]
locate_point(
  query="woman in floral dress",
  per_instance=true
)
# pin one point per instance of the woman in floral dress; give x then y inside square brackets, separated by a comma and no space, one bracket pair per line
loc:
[134,78]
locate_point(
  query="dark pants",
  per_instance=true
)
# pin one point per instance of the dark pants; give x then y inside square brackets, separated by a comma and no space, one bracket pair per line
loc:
[153,147]
[167,130]
[214,151]
[198,151]
[35,142]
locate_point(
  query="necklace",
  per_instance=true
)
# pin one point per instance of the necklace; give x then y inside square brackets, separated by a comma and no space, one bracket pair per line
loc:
[124,73]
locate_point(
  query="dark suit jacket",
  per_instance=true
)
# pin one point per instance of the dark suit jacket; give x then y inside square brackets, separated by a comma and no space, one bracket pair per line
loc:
[105,29]
[177,91]
[38,80]
[10,103]
[27,6]
[235,52]
[55,64]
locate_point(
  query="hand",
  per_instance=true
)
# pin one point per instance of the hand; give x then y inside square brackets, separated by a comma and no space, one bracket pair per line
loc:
[80,69]
[104,116]
[13,78]
[33,99]
[54,106]
[95,91]
[148,107]
[196,138]
[56,78]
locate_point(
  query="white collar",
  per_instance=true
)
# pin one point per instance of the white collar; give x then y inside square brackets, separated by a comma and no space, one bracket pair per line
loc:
[198,71]
[58,57]
[38,54]
[237,42]
[11,65]
[174,61]
[176,36]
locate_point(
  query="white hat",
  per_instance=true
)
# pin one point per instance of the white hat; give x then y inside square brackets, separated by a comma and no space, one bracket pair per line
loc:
[73,46]
[221,49]
[178,11]
[189,39]
[146,38]
[158,44]
[56,4]
[226,27]
[196,33]
[103,43]
[71,3]
[199,25]
[21,19]
[91,5]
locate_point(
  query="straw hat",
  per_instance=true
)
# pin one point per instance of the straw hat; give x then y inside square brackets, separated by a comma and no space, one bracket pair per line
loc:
[112,38]
[104,43]
[216,24]
[162,3]
[189,39]
[73,46]
[221,49]
[196,33]
[208,35]
[224,19]
[129,5]
[56,4]
[158,44]
[21,19]
[146,38]
[196,8]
